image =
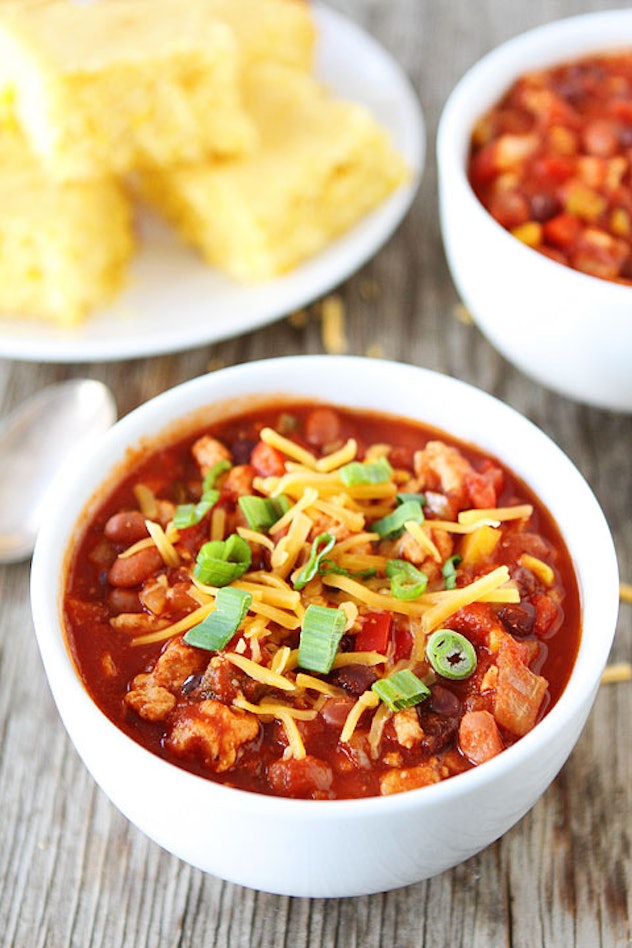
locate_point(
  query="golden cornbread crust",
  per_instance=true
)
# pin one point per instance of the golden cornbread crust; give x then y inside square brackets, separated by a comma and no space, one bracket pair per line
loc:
[320,165]
[64,248]
[104,87]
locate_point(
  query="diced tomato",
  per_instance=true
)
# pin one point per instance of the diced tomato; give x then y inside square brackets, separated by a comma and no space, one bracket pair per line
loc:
[562,230]
[305,777]
[601,138]
[484,486]
[375,634]
[519,692]
[509,208]
[267,461]
[554,254]
[322,427]
[621,109]
[556,168]
[484,164]
[479,737]
[477,621]
[548,615]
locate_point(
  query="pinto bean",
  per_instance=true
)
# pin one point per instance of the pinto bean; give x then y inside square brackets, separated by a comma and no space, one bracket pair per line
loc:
[322,426]
[126,527]
[267,461]
[128,571]
[336,710]
[124,600]
[479,737]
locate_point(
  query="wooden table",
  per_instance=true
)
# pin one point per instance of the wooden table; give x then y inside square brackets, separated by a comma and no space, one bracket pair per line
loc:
[74,872]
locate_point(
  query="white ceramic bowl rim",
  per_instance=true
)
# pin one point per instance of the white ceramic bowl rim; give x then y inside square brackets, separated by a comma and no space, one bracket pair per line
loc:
[491,76]
[256,378]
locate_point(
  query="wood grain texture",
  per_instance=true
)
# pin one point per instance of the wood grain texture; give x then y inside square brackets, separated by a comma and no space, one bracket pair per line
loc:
[73,872]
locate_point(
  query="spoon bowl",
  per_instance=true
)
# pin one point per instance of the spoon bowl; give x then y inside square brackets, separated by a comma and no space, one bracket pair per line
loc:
[37,440]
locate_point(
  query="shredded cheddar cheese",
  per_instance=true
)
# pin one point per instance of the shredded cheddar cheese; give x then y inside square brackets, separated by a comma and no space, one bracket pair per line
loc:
[418,533]
[336,459]
[218,524]
[177,628]
[365,701]
[146,501]
[616,672]
[625,592]
[286,552]
[333,325]
[260,673]
[288,447]
[499,514]
[165,547]
[542,570]
[253,536]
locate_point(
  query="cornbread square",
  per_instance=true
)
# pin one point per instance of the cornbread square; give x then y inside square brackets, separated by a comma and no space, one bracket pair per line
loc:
[280,31]
[104,86]
[63,247]
[320,165]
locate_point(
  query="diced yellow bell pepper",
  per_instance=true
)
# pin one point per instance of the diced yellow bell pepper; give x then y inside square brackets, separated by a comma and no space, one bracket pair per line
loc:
[479,545]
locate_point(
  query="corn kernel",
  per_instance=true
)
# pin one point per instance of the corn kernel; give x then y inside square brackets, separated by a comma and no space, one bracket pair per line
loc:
[620,222]
[563,140]
[529,233]
[585,203]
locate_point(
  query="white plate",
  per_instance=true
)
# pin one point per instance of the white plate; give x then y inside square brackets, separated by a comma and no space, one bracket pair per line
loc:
[174,301]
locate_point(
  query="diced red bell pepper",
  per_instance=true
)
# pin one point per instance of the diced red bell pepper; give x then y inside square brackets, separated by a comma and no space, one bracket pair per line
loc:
[403,641]
[375,634]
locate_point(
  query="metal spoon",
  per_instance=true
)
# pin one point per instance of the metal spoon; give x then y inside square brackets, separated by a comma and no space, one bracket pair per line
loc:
[36,440]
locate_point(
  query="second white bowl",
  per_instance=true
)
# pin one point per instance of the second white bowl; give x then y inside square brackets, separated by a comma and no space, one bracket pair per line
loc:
[570,331]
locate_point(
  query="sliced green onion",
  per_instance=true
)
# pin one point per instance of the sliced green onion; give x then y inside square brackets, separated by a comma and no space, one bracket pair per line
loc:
[367,472]
[392,525]
[451,654]
[187,515]
[216,631]
[219,562]
[262,512]
[322,545]
[407,582]
[321,632]
[214,472]
[328,566]
[400,690]
[449,570]
[404,498]
[287,424]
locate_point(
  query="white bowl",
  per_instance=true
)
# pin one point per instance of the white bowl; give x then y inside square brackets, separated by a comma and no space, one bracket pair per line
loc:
[570,331]
[346,847]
